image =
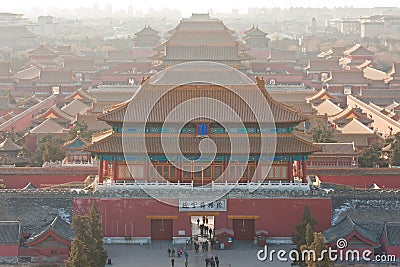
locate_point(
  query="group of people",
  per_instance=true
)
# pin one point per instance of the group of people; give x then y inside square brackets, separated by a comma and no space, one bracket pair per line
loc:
[173,262]
[179,252]
[213,261]
[204,228]
[204,245]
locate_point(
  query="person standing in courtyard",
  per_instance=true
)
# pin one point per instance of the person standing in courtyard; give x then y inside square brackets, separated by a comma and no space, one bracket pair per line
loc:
[207,260]
[216,260]
[198,221]
[172,262]
[169,252]
[212,262]
[186,263]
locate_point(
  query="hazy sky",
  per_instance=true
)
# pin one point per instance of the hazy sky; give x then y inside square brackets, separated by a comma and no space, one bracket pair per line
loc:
[188,6]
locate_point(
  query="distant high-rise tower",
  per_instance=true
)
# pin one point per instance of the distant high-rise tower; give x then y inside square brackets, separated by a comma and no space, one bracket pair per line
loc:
[313,27]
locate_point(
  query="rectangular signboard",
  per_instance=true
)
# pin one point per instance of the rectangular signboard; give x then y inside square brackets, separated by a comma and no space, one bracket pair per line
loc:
[202,205]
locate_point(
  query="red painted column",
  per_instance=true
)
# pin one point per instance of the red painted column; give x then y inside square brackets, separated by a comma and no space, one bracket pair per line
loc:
[179,172]
[303,170]
[106,168]
[101,174]
[224,165]
[147,166]
[290,170]
[114,170]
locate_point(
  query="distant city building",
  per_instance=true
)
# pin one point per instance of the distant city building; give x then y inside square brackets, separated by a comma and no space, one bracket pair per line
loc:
[380,25]
[346,26]
[312,28]
[45,26]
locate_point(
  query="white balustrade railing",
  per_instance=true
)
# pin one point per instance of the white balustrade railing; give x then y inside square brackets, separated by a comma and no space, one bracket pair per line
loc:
[213,186]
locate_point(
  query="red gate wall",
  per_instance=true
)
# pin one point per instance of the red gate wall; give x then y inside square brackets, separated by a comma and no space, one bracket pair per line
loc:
[277,216]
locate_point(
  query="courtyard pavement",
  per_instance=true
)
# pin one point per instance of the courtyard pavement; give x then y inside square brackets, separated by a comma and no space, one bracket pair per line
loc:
[155,255]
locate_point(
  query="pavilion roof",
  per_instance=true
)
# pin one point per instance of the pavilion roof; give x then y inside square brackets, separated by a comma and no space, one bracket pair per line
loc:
[255,31]
[10,232]
[54,112]
[321,96]
[346,77]
[80,64]
[147,30]
[55,77]
[374,74]
[112,144]
[356,127]
[42,50]
[358,49]
[345,228]
[57,226]
[323,65]
[159,83]
[78,138]
[29,73]
[75,107]
[93,124]
[81,95]
[392,233]
[47,127]
[328,107]
[8,145]
[348,114]
[360,140]
[336,149]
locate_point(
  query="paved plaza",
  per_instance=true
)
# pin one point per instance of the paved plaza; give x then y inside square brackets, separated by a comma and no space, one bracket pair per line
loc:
[155,255]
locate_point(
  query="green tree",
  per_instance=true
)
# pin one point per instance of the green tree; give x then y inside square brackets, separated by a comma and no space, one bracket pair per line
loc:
[309,234]
[395,151]
[79,256]
[48,149]
[87,247]
[322,133]
[97,252]
[317,246]
[300,237]
[83,128]
[371,156]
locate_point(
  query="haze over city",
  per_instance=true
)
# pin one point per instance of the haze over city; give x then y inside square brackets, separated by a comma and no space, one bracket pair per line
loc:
[185,7]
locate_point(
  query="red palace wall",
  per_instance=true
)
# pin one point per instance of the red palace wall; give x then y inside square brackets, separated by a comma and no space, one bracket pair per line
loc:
[20,181]
[390,250]
[131,217]
[389,182]
[9,250]
[18,178]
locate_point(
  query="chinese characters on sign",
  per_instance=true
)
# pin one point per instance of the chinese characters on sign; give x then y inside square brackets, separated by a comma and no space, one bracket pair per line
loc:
[202,205]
